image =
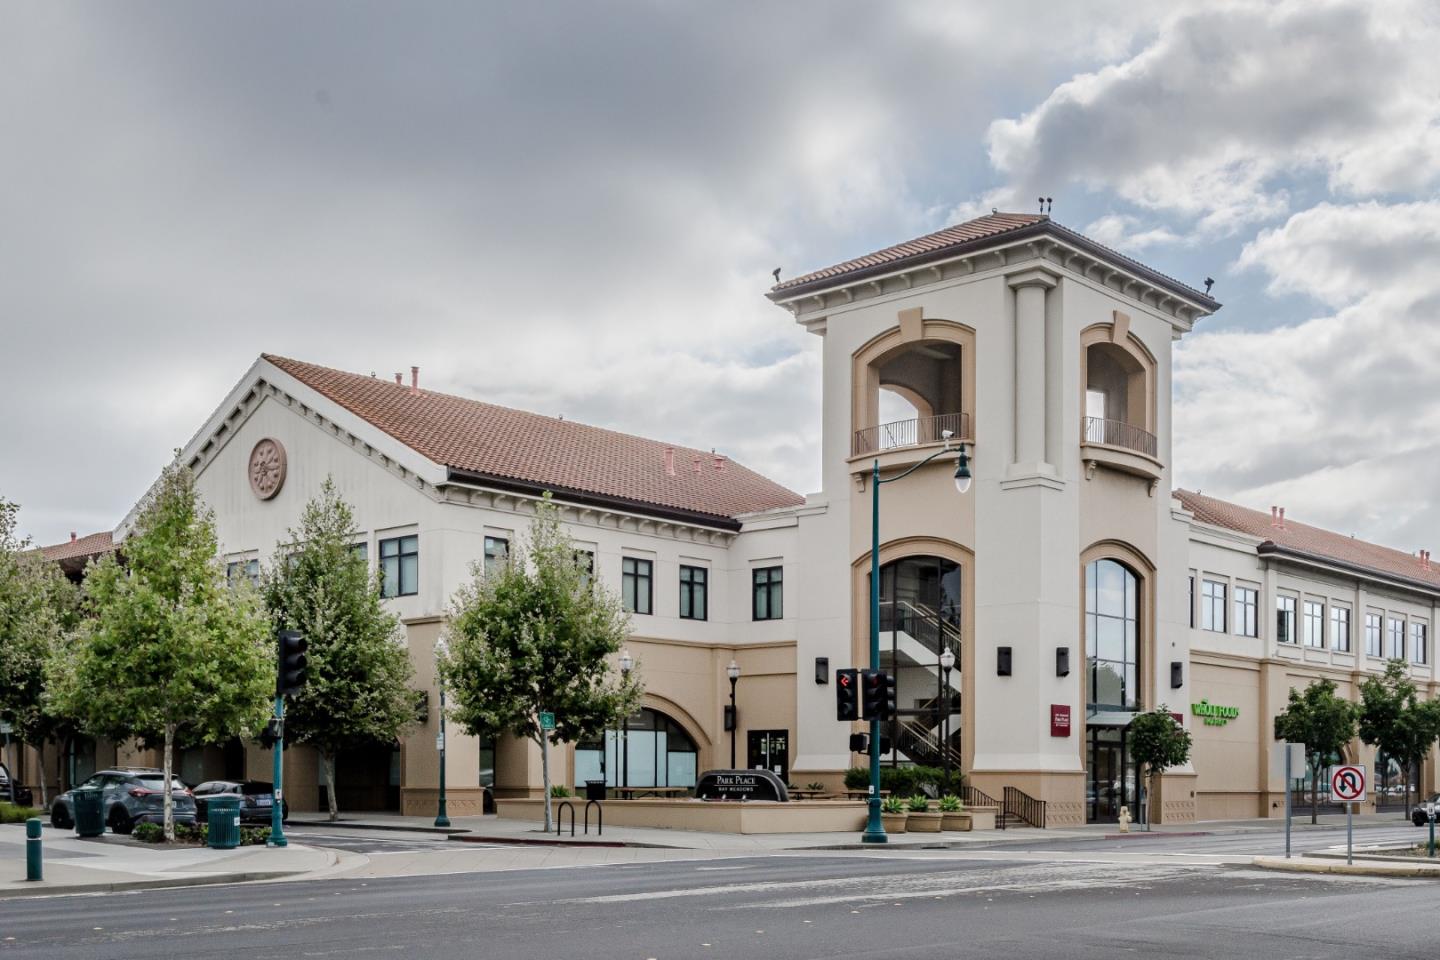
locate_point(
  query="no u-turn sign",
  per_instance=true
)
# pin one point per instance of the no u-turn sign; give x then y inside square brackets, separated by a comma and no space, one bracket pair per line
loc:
[1347,783]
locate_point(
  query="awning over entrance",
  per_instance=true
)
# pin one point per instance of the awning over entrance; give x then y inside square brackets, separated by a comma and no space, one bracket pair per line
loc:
[1110,718]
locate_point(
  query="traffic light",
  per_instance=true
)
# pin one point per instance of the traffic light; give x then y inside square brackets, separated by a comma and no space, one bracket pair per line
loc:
[272,733]
[872,694]
[847,695]
[291,675]
[890,703]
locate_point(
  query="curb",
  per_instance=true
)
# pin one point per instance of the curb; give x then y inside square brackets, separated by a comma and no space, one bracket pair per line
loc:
[547,842]
[123,885]
[1372,869]
[362,825]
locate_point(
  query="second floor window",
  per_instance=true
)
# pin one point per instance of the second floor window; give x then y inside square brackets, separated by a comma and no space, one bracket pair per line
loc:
[585,560]
[1395,639]
[1340,629]
[497,552]
[1418,647]
[1372,636]
[637,580]
[400,566]
[1314,624]
[1247,604]
[238,570]
[1285,620]
[694,590]
[1212,605]
[768,597]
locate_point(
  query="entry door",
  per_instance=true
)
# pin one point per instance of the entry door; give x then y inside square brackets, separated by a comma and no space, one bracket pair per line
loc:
[769,750]
[1110,780]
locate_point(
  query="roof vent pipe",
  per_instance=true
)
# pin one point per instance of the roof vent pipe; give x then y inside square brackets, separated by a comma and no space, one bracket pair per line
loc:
[1282,518]
[414,381]
[719,463]
[72,536]
[696,463]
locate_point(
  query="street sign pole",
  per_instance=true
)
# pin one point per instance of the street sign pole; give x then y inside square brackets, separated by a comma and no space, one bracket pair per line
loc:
[1287,801]
[1349,834]
[1347,784]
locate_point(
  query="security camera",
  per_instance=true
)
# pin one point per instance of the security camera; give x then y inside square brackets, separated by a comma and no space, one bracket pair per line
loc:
[946,434]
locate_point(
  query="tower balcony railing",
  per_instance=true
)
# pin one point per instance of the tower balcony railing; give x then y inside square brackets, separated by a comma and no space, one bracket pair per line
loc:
[1118,433]
[910,433]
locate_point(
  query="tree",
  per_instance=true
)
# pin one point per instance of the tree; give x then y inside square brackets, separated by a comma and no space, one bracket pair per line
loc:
[537,635]
[1324,722]
[173,650]
[38,605]
[358,679]
[1395,719]
[1158,743]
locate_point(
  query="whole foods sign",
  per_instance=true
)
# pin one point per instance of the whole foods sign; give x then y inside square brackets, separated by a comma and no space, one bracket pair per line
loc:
[1213,714]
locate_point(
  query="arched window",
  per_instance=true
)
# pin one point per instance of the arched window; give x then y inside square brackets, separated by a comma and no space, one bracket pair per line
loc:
[650,750]
[1112,635]
[920,616]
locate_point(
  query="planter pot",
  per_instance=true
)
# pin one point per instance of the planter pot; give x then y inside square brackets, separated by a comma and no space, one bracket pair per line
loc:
[894,822]
[927,822]
[956,820]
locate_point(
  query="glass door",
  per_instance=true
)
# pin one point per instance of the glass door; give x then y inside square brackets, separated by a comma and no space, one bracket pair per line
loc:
[1110,777]
[769,750]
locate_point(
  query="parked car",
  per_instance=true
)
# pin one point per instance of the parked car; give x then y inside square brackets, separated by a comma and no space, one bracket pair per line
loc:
[257,798]
[12,791]
[131,795]
[1418,815]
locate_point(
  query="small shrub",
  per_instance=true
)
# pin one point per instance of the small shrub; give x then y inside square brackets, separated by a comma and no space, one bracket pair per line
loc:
[919,803]
[185,833]
[254,836]
[559,791]
[815,785]
[857,778]
[892,805]
[10,813]
[149,832]
[950,804]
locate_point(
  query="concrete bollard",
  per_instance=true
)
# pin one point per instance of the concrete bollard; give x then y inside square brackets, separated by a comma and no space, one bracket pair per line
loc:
[34,863]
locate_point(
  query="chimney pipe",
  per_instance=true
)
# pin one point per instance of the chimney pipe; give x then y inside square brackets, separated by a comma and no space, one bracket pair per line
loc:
[696,463]
[670,461]
[414,381]
[719,463]
[1274,516]
[72,536]
[399,379]
[1282,518]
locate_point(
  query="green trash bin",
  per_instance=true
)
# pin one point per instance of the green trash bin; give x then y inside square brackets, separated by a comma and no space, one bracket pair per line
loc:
[89,808]
[223,822]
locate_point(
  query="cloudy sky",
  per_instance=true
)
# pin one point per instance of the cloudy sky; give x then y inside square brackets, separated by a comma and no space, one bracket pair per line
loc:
[575,207]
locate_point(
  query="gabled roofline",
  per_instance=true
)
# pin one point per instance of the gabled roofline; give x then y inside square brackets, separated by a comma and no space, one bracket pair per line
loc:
[1270,548]
[1202,301]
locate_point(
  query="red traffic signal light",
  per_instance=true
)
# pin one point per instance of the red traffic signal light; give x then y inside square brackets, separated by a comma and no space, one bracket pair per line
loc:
[847,695]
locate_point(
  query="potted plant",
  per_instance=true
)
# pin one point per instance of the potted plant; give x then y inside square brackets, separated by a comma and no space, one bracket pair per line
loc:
[892,815]
[922,819]
[953,815]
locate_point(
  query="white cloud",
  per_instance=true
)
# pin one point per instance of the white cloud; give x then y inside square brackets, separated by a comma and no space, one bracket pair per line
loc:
[1120,231]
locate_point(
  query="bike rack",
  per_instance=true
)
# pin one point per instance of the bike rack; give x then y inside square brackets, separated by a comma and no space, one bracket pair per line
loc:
[599,819]
[560,817]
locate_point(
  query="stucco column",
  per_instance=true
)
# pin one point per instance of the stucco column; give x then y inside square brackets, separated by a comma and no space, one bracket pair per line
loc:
[1030,383]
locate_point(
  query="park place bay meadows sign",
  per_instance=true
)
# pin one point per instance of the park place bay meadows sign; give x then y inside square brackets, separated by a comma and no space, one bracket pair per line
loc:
[1213,714]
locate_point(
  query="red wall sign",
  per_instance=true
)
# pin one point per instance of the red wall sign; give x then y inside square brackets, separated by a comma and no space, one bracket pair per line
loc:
[1059,719]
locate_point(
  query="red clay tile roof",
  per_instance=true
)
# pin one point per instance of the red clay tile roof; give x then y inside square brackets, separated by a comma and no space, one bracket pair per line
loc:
[1303,538]
[545,452]
[90,546]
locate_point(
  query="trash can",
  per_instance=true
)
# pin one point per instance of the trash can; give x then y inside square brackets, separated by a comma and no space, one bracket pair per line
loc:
[89,812]
[224,822]
[594,790]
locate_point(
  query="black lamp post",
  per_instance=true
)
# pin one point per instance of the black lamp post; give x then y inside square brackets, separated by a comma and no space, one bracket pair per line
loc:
[441,650]
[627,663]
[947,663]
[733,672]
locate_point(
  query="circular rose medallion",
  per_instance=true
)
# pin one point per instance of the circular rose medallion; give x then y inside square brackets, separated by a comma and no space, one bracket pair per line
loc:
[267,468]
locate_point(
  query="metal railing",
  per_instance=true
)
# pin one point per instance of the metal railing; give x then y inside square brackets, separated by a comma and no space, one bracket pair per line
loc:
[975,797]
[927,626]
[1117,433]
[910,433]
[1022,806]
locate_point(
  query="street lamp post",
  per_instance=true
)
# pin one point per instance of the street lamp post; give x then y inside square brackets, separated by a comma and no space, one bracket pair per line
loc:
[874,828]
[947,663]
[441,650]
[627,663]
[733,672]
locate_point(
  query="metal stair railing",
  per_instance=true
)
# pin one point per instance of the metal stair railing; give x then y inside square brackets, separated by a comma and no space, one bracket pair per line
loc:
[1022,806]
[975,797]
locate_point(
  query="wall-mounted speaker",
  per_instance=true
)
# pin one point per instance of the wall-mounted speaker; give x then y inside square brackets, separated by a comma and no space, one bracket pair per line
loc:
[1002,662]
[1062,661]
[1177,674]
[822,670]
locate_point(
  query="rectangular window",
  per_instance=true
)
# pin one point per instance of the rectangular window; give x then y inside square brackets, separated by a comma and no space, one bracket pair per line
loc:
[1192,600]
[1340,629]
[237,570]
[1213,603]
[1372,635]
[497,553]
[361,549]
[766,604]
[1314,624]
[694,591]
[1419,653]
[585,560]
[400,566]
[1285,620]
[1395,639]
[636,584]
[1247,608]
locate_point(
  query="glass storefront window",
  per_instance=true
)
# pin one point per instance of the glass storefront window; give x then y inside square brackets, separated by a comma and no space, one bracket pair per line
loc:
[660,753]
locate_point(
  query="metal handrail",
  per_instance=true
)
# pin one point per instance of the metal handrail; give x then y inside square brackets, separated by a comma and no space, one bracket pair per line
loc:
[910,433]
[1020,804]
[1117,433]
[926,626]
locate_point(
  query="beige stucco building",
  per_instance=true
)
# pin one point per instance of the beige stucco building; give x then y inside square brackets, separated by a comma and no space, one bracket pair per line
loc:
[1074,583]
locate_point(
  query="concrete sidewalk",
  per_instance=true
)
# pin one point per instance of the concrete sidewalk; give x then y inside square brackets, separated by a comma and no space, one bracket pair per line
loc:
[103,864]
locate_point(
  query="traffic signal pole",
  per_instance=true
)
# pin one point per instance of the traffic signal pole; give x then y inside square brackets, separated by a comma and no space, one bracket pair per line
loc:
[277,795]
[874,828]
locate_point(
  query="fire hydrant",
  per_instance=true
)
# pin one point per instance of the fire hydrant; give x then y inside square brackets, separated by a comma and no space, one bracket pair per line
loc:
[1124,819]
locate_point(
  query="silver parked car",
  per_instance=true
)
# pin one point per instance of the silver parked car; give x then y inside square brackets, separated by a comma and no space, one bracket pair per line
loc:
[131,795]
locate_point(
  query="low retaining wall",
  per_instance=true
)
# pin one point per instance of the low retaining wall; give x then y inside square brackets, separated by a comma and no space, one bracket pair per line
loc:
[758,816]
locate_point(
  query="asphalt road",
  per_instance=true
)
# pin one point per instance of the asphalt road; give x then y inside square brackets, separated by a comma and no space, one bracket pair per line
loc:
[839,906]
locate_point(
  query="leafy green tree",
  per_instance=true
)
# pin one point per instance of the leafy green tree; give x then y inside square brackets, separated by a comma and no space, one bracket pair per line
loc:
[173,652]
[537,635]
[1324,722]
[1395,719]
[1157,743]
[358,687]
[38,605]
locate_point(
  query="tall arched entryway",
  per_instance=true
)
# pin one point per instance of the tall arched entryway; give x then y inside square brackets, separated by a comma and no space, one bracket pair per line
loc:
[650,749]
[1113,691]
